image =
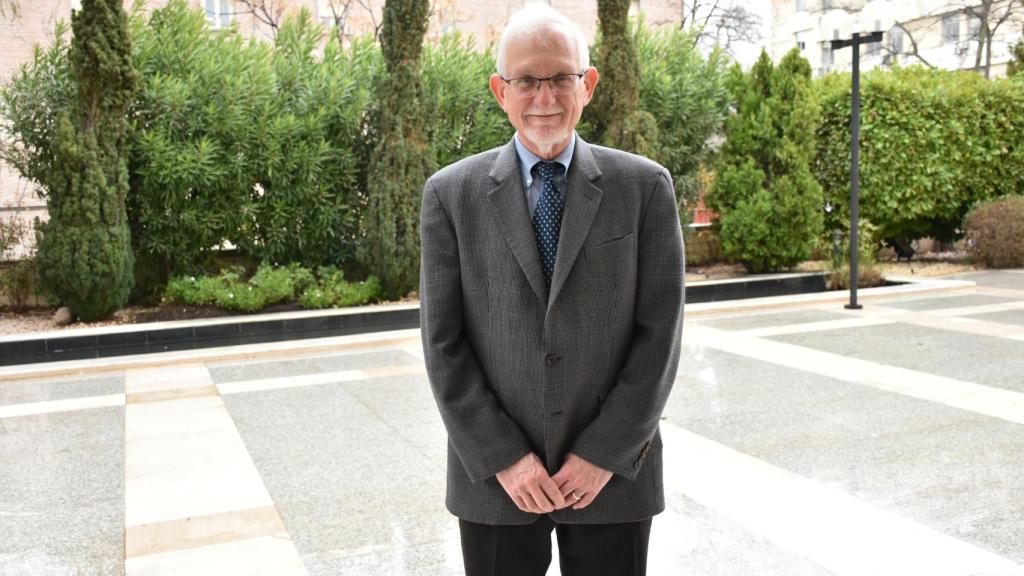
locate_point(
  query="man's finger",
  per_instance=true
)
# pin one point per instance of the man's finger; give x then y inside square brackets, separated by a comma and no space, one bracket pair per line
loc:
[567,489]
[541,499]
[587,499]
[553,493]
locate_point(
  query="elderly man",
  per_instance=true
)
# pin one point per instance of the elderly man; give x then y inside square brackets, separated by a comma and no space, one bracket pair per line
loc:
[551,310]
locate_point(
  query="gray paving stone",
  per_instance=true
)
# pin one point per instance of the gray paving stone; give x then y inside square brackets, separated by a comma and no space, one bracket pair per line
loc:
[40,390]
[944,302]
[62,493]
[751,321]
[1013,279]
[1005,317]
[949,469]
[238,371]
[987,360]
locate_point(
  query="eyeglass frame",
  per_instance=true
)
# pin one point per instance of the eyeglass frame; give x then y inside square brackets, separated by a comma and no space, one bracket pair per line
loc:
[579,76]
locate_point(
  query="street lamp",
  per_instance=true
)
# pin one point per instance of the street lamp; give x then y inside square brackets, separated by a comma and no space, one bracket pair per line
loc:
[836,27]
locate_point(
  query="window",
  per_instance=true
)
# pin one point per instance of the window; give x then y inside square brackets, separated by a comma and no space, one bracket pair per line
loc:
[973,27]
[896,40]
[801,6]
[218,13]
[801,43]
[951,28]
[826,56]
[872,48]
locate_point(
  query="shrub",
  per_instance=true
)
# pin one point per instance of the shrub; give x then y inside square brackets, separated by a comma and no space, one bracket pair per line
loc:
[333,290]
[703,247]
[17,283]
[933,144]
[84,249]
[995,232]
[462,116]
[240,141]
[768,201]
[269,285]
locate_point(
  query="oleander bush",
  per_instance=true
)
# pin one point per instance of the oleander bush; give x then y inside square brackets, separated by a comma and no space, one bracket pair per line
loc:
[995,233]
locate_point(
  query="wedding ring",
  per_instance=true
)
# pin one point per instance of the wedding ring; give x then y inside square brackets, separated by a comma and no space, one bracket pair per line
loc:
[576,497]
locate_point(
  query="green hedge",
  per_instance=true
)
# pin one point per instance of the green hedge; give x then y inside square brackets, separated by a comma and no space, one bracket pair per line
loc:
[933,144]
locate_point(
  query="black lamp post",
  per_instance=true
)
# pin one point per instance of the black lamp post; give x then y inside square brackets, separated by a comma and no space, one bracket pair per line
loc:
[832,25]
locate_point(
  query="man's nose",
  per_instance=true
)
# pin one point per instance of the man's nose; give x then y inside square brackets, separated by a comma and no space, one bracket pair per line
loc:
[544,93]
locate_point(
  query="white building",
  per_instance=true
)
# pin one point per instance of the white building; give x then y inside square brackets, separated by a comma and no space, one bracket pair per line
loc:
[941,33]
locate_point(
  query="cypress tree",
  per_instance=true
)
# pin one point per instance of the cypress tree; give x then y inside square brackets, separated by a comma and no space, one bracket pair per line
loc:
[84,250]
[767,198]
[617,118]
[402,158]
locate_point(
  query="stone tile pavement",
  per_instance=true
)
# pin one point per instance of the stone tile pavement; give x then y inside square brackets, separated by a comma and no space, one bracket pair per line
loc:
[805,439]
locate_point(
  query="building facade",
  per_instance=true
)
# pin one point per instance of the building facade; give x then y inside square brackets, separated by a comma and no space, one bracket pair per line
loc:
[939,33]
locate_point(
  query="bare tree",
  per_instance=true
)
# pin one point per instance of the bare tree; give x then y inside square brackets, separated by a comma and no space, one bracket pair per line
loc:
[989,17]
[986,17]
[267,12]
[339,17]
[720,22]
[368,6]
[9,8]
[914,51]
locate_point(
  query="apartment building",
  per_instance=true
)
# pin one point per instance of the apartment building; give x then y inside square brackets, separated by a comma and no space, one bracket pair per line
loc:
[940,33]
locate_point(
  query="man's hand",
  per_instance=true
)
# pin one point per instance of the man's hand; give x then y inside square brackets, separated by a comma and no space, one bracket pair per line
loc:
[579,478]
[528,484]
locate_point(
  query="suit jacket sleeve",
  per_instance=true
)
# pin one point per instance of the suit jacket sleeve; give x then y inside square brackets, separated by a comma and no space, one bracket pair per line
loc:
[618,439]
[486,439]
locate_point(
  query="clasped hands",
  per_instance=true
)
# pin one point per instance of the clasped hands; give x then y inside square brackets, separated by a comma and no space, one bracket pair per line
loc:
[576,484]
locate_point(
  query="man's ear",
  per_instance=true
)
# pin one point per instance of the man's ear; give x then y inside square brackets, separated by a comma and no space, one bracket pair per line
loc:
[590,78]
[498,89]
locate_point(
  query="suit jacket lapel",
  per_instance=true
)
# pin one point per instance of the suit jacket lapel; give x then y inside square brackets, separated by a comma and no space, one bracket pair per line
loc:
[581,202]
[512,216]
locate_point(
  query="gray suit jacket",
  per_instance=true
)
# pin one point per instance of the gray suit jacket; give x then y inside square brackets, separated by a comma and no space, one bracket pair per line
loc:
[587,370]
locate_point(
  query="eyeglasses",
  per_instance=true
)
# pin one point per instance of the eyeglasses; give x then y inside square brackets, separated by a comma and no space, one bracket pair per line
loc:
[559,84]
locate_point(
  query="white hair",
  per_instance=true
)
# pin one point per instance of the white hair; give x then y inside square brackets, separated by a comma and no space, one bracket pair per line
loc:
[537,22]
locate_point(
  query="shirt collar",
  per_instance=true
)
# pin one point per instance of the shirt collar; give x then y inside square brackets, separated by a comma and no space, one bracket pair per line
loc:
[527,159]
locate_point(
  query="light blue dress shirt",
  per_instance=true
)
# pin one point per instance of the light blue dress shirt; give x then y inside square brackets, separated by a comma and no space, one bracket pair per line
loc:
[533,186]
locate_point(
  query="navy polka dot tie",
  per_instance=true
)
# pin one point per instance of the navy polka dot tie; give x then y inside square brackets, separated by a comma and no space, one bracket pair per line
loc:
[547,218]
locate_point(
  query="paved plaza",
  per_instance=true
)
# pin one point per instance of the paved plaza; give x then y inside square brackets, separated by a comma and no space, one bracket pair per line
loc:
[801,439]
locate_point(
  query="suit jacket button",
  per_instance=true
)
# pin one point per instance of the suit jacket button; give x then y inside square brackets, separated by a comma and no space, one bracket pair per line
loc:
[551,359]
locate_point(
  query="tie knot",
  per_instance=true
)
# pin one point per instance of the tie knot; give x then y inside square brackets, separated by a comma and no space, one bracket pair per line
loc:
[549,170]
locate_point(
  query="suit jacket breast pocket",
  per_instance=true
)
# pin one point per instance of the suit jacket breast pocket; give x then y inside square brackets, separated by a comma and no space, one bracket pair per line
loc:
[611,258]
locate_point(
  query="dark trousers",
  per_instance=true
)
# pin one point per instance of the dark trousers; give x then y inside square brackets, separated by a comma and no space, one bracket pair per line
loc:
[583,549]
